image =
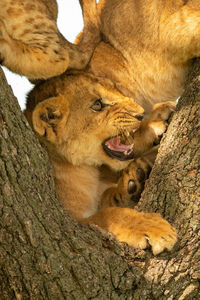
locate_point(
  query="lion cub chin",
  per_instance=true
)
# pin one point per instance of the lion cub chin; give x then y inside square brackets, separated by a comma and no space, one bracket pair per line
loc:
[85,124]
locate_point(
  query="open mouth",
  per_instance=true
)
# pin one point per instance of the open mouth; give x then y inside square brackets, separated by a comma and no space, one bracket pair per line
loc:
[116,149]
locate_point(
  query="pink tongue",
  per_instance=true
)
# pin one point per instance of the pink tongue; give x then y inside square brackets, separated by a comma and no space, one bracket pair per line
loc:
[115,145]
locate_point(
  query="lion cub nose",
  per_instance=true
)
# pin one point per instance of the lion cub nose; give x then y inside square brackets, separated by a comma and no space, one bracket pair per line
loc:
[139,117]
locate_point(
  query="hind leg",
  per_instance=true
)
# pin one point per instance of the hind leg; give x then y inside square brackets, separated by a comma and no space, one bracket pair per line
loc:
[180,32]
[31,44]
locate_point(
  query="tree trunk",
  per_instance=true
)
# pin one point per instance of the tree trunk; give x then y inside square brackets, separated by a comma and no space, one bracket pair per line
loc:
[44,254]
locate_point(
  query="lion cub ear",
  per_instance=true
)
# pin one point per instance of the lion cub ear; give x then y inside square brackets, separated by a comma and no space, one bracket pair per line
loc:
[49,118]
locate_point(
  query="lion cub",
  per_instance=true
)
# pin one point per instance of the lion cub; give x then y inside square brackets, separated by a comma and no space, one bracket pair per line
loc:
[85,124]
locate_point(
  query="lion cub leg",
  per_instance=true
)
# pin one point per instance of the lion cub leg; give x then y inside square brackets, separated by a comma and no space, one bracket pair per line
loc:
[136,228]
[151,131]
[131,183]
[31,44]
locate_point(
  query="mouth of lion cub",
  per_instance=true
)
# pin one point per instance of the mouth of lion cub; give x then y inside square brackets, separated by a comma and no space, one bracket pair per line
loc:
[114,148]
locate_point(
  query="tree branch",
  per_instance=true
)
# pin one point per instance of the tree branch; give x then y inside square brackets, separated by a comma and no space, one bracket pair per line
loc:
[44,254]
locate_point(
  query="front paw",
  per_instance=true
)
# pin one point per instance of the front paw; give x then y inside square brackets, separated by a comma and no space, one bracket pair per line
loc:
[151,131]
[144,229]
[163,111]
[158,127]
[137,229]
[132,180]
[158,233]
[127,191]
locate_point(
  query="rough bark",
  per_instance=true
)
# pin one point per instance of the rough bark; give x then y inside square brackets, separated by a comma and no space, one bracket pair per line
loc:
[44,254]
[174,190]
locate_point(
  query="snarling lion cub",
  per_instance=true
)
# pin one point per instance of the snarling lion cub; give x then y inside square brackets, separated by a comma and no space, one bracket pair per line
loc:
[84,124]
[144,49]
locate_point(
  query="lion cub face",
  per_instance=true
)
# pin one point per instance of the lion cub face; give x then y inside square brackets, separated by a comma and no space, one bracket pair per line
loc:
[86,123]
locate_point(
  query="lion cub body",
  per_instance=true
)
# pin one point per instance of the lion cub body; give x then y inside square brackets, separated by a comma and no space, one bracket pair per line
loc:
[147,47]
[76,116]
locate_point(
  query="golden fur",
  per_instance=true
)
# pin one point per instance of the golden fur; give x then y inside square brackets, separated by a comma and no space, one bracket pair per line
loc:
[142,58]
[147,47]
[31,44]
[63,112]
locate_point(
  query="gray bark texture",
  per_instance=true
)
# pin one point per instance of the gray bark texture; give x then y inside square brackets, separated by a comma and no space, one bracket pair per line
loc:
[44,254]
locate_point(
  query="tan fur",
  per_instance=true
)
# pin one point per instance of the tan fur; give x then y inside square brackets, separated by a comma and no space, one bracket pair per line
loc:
[147,47]
[61,112]
[31,45]
[136,229]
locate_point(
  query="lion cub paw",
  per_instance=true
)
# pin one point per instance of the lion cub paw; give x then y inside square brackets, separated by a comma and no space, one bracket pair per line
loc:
[130,185]
[137,229]
[132,180]
[163,111]
[159,119]
[144,229]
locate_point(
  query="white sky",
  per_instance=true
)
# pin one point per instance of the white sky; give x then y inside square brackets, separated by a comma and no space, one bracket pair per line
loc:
[70,23]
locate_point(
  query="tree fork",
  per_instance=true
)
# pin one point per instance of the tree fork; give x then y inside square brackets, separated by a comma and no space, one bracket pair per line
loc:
[44,254]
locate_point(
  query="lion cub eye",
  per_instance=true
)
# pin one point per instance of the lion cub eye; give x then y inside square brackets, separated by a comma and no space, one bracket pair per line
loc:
[98,105]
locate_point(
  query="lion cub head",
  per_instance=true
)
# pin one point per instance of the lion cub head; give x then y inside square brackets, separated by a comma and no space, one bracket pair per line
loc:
[82,121]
